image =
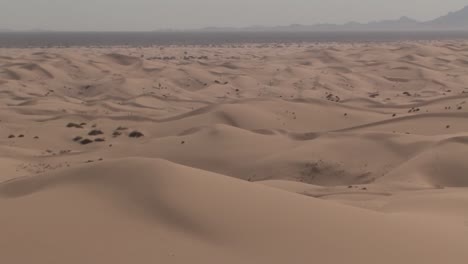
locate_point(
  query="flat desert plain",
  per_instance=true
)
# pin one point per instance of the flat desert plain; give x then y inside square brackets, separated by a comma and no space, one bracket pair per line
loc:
[297,153]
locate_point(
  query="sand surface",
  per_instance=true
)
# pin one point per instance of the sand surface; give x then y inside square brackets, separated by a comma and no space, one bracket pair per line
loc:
[304,153]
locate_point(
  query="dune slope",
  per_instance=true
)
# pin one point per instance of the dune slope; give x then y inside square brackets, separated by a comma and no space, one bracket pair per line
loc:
[175,214]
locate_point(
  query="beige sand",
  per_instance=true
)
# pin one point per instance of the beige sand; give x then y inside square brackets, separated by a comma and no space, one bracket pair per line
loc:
[304,153]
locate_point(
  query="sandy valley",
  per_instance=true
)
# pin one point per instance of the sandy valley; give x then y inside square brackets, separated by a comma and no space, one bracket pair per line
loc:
[256,153]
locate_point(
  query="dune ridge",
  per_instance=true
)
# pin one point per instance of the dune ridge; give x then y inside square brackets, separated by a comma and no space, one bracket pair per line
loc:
[177,201]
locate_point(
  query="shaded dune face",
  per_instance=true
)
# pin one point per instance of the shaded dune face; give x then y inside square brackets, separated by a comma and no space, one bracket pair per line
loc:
[176,204]
[235,154]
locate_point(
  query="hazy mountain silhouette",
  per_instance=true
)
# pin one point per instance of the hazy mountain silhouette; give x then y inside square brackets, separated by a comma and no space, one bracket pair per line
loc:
[452,21]
[4,30]
[455,20]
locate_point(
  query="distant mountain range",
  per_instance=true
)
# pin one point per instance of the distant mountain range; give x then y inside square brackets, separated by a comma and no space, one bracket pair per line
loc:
[4,30]
[452,21]
[457,20]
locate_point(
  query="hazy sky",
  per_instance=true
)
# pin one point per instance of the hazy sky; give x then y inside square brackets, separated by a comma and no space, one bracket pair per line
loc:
[159,14]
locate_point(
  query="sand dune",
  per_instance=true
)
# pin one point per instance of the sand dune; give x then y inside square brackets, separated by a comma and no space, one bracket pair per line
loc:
[293,153]
[173,214]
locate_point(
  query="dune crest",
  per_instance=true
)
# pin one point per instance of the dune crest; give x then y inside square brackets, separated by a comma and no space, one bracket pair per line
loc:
[187,204]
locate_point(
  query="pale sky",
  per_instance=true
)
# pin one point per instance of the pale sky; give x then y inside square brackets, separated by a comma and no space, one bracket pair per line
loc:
[141,15]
